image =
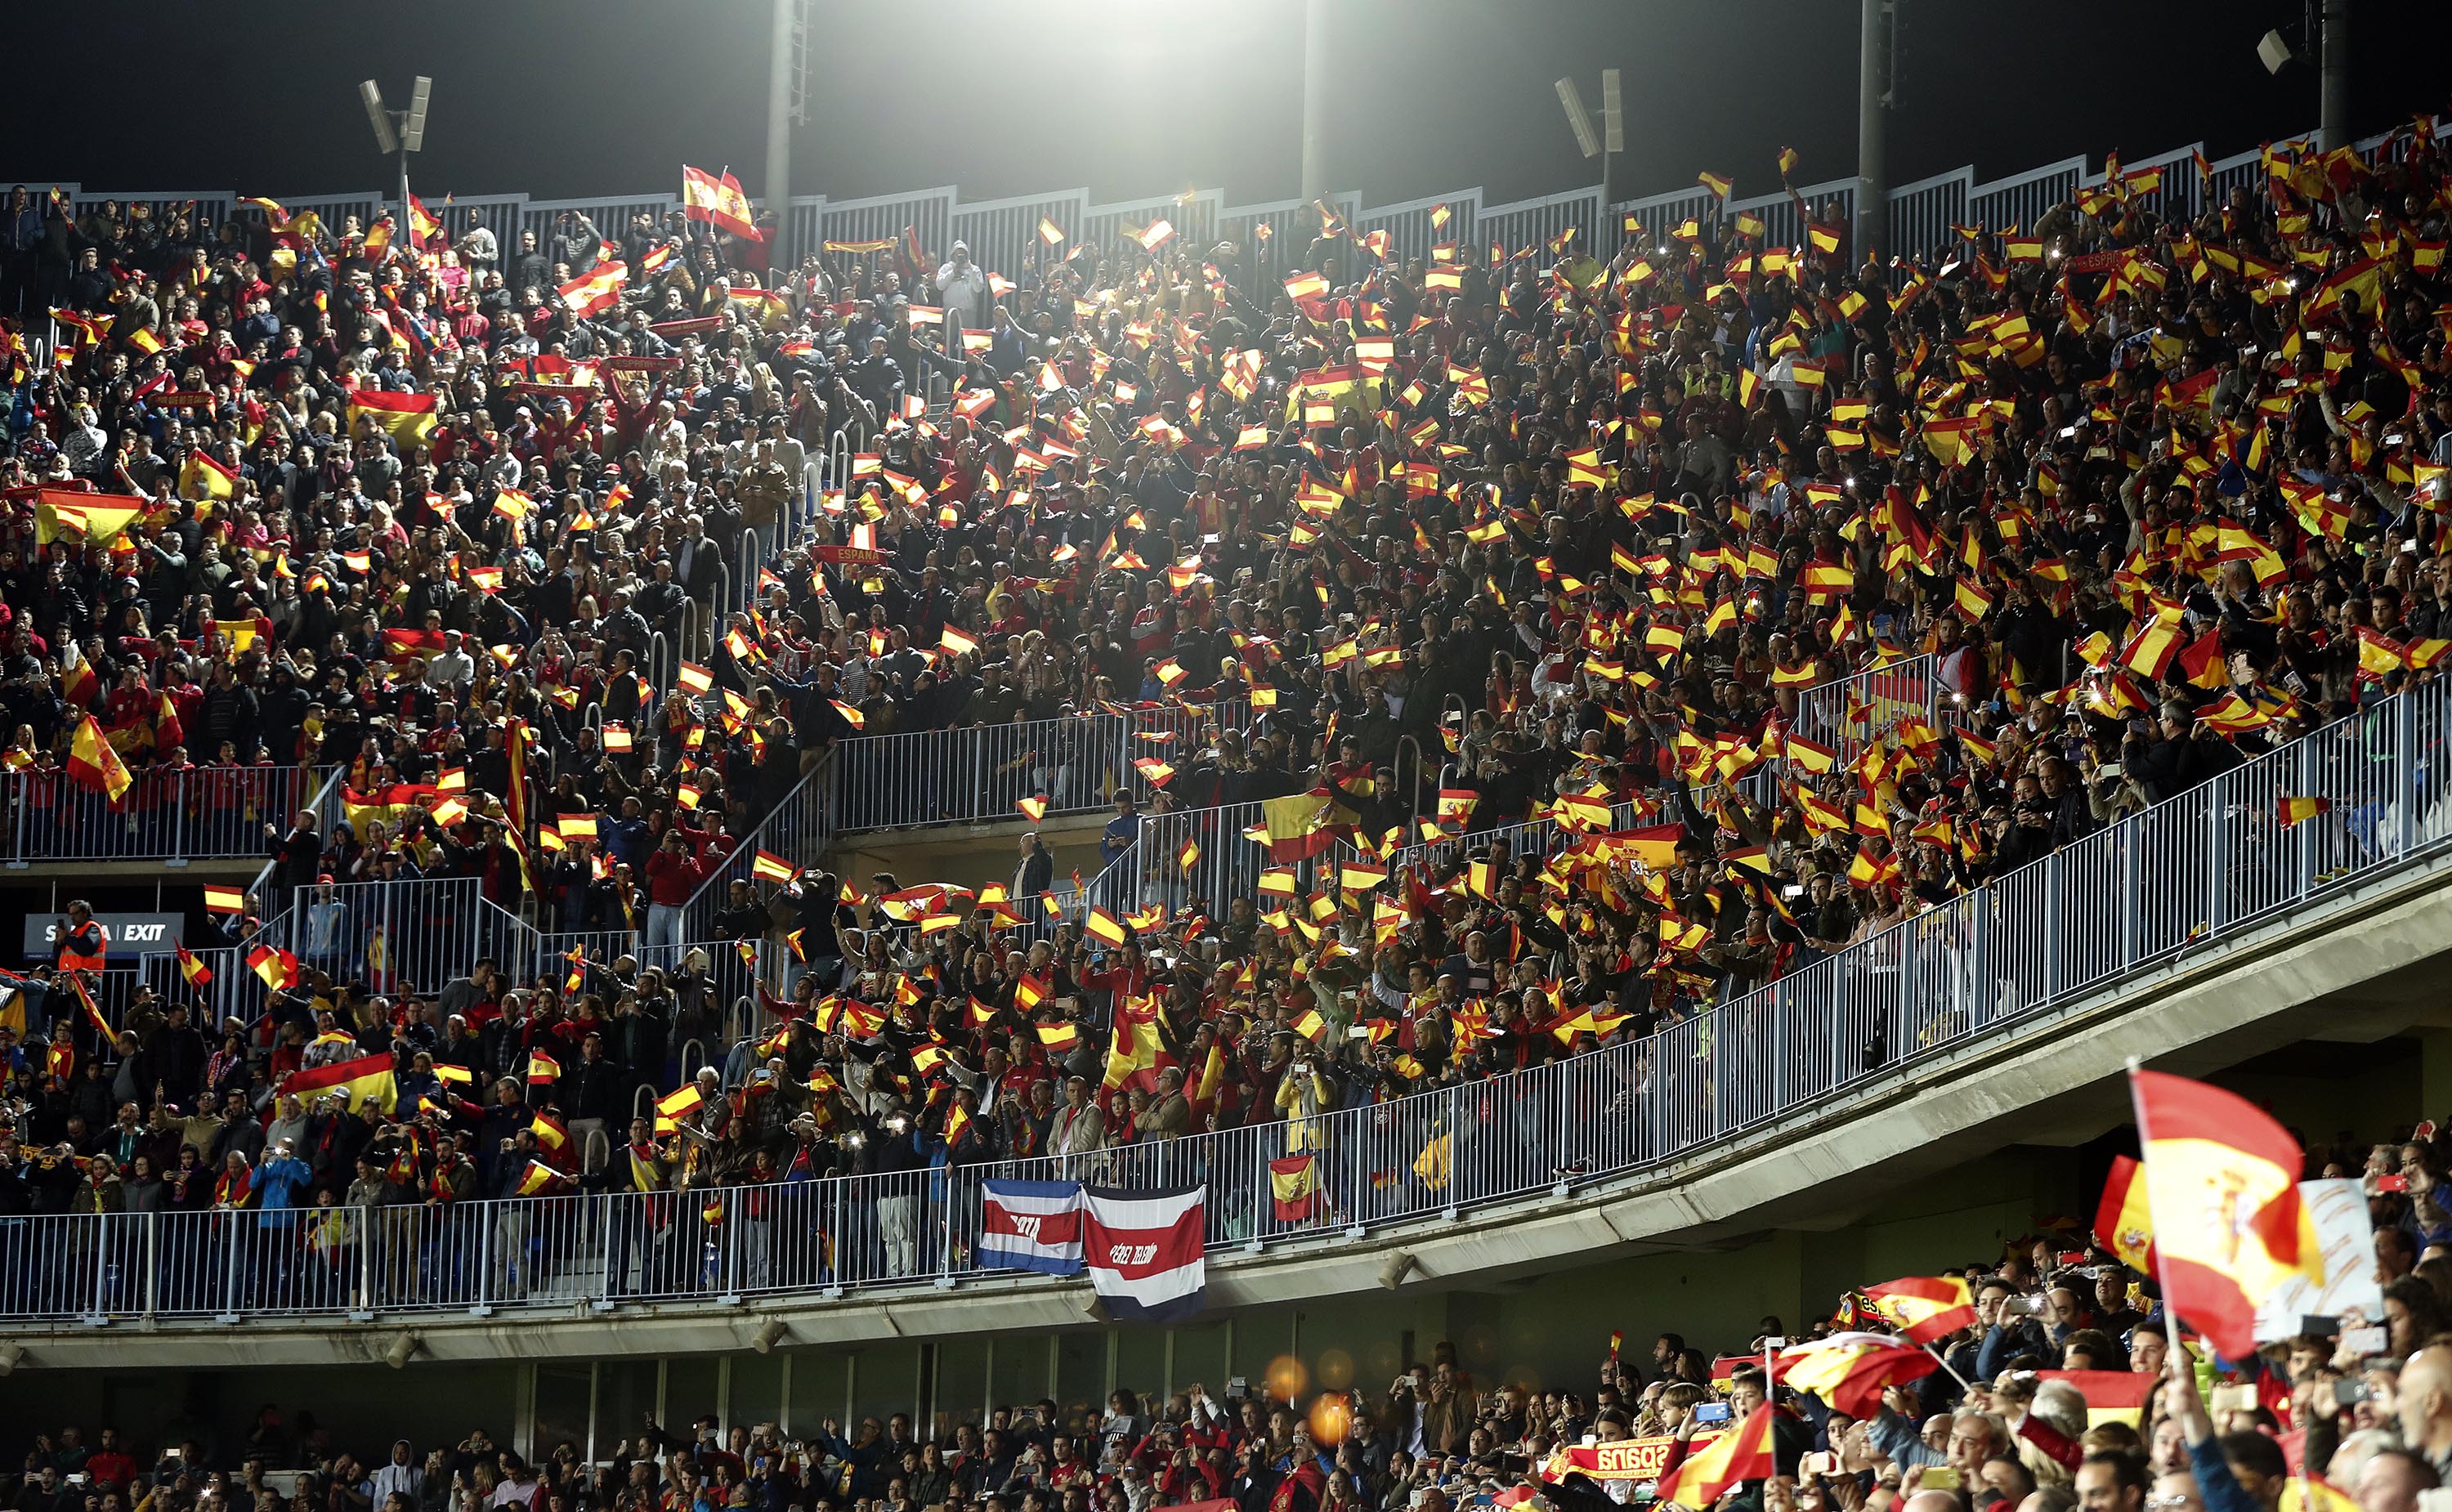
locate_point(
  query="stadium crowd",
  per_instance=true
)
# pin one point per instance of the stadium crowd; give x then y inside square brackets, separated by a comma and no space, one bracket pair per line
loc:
[2057,1391]
[2154,492]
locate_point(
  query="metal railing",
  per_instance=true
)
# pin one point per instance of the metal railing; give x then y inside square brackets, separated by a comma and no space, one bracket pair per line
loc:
[2174,879]
[1003,234]
[981,773]
[1848,712]
[798,828]
[195,814]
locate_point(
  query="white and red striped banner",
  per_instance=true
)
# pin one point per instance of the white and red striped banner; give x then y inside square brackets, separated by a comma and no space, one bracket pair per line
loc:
[1031,1226]
[1143,1251]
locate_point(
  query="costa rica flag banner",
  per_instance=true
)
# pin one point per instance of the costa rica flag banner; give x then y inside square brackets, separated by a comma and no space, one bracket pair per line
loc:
[1031,1226]
[1143,1251]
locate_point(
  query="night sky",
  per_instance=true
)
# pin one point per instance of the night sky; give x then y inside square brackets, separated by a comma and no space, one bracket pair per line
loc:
[1133,98]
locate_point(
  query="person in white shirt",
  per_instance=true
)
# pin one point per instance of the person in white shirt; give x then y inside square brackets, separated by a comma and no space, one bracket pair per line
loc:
[962,288]
[403,1477]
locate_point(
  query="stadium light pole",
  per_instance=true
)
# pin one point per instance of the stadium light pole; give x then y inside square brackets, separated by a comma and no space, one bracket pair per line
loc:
[1608,143]
[1875,93]
[2327,30]
[398,133]
[1314,127]
[2333,89]
[786,107]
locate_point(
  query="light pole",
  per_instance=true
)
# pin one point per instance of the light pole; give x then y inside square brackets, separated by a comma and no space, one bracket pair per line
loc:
[787,105]
[400,133]
[1876,91]
[1608,144]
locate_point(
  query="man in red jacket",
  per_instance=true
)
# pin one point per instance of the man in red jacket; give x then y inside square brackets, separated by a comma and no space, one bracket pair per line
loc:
[674,873]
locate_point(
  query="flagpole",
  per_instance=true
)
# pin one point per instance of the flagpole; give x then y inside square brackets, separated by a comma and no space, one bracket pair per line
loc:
[1940,1360]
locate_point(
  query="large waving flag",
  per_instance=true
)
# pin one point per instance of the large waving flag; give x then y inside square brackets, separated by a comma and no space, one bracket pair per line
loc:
[93,764]
[720,200]
[1144,1251]
[1924,1308]
[1849,1370]
[2122,1223]
[407,419]
[1731,1460]
[2221,1184]
[366,1079]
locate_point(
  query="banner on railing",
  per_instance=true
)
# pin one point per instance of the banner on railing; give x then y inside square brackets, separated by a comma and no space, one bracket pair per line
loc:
[1031,1226]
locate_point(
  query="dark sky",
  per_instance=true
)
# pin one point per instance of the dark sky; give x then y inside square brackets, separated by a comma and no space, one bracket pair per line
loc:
[1133,98]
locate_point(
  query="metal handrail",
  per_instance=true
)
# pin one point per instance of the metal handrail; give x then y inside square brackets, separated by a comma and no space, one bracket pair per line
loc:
[199,814]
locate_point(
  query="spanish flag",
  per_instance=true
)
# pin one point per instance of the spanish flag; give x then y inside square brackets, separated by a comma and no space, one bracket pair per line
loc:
[595,291]
[2122,1225]
[1299,825]
[2221,1184]
[768,867]
[1849,1370]
[1132,1055]
[362,1080]
[1728,1461]
[2150,653]
[2111,1396]
[677,1105]
[279,969]
[1106,927]
[1924,1308]
[2295,811]
[718,201]
[193,969]
[93,764]
[1294,1188]
[407,419]
[539,1180]
[205,477]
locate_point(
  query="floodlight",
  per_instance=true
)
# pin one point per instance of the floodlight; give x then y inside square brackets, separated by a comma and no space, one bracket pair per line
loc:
[381,119]
[412,130]
[1576,117]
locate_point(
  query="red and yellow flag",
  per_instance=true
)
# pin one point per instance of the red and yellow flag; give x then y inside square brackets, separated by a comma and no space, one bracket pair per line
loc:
[2122,1225]
[2222,1183]
[1730,1460]
[2293,810]
[93,764]
[1924,1308]
[1849,1370]
[720,201]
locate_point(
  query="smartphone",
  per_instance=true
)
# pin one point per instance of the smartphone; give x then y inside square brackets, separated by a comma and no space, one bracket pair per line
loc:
[1818,1461]
[1937,1478]
[2234,1398]
[2366,1341]
[1712,1412]
[2396,1182]
[2312,1327]
[2349,1391]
